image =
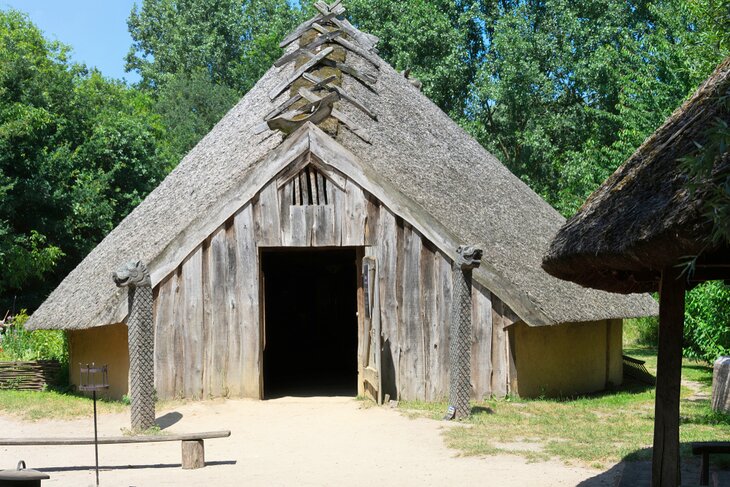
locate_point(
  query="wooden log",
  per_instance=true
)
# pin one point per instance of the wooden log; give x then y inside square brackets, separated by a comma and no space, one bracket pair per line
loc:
[364,53]
[300,71]
[342,93]
[327,36]
[665,457]
[306,25]
[193,454]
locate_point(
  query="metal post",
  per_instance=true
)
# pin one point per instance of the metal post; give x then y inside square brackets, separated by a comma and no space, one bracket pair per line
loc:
[94,378]
[96,443]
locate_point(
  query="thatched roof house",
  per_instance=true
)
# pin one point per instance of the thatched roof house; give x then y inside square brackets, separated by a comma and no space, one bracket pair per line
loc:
[636,232]
[334,150]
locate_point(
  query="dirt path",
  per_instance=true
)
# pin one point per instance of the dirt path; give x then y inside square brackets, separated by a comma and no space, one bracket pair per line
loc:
[330,441]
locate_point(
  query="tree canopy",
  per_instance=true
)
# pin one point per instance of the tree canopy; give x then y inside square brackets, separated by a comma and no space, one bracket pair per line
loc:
[77,153]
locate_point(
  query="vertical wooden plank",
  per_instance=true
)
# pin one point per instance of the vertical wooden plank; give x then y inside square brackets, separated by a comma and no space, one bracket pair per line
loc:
[312,173]
[355,215]
[304,189]
[665,469]
[336,199]
[412,376]
[285,201]
[164,338]
[444,299]
[500,362]
[207,339]
[266,217]
[429,317]
[481,351]
[321,191]
[387,254]
[217,330]
[248,299]
[299,234]
[234,374]
[323,233]
[178,383]
[192,274]
[297,191]
[363,339]
[371,222]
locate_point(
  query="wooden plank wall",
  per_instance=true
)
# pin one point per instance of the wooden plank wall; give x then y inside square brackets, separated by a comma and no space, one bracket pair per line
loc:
[208,312]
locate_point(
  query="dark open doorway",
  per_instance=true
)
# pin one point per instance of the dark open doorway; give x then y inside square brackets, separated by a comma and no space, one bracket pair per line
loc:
[310,322]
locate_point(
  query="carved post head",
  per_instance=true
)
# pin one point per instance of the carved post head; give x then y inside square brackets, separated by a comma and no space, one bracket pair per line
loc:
[132,274]
[468,257]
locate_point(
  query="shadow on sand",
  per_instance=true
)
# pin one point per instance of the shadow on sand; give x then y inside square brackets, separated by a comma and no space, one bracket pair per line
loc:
[167,420]
[634,470]
[128,467]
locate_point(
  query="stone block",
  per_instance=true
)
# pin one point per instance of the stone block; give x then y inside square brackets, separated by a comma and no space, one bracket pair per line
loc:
[721,385]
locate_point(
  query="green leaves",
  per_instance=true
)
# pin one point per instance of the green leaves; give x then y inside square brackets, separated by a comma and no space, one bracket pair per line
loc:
[707,322]
[77,153]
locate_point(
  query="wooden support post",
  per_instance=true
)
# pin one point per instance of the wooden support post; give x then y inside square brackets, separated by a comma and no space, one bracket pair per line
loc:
[665,457]
[193,454]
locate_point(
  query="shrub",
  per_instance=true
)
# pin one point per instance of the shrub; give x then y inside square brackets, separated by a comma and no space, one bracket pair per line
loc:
[642,331]
[19,344]
[707,322]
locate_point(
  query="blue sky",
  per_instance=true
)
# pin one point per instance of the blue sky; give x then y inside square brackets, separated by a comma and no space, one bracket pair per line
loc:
[96,30]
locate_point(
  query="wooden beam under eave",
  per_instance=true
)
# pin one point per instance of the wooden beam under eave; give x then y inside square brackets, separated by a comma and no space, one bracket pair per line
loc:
[665,457]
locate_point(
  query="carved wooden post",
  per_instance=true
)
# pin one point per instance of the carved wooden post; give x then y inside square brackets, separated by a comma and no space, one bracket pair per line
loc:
[467,259]
[134,275]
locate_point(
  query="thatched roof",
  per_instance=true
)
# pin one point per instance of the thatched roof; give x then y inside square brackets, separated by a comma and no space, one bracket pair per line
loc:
[643,218]
[436,169]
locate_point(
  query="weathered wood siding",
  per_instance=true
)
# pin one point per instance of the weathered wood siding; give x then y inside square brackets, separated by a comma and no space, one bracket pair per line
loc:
[208,312]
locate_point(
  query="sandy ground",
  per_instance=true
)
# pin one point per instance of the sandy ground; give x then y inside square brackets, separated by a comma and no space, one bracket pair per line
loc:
[321,441]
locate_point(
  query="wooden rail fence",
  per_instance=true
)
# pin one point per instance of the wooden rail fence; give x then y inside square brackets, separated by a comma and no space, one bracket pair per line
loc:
[29,376]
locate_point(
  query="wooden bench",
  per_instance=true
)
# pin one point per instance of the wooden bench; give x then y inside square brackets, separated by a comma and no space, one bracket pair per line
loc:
[707,448]
[193,450]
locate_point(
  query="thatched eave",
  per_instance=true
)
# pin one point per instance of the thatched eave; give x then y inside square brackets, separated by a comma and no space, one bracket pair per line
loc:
[644,218]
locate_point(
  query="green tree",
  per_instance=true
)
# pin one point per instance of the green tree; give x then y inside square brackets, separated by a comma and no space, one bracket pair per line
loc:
[77,153]
[191,104]
[441,42]
[233,41]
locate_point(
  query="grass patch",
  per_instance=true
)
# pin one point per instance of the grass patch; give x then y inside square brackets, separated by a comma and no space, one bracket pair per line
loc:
[596,430]
[52,405]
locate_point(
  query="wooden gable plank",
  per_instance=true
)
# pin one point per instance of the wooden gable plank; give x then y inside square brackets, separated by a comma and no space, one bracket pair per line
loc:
[266,216]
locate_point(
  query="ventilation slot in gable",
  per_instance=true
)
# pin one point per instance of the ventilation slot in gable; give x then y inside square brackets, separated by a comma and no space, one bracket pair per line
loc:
[309,187]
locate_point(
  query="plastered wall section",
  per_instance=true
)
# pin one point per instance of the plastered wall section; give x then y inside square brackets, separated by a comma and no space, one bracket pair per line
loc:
[573,358]
[101,345]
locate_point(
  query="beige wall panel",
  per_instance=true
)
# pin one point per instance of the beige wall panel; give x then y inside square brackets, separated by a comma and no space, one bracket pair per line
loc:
[562,360]
[101,345]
